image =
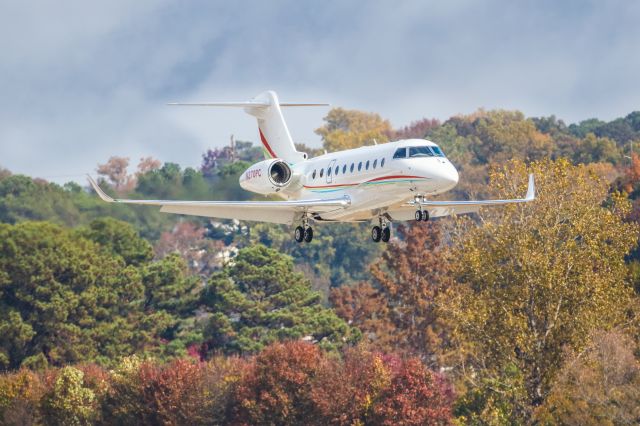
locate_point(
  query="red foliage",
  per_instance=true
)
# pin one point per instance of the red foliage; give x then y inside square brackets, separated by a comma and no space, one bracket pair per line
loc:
[416,396]
[275,388]
[415,130]
[344,392]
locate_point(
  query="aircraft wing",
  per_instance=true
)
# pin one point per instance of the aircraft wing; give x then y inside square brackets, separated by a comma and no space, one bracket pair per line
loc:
[448,208]
[285,212]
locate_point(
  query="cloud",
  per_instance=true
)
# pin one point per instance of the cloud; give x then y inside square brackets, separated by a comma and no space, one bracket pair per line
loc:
[85,80]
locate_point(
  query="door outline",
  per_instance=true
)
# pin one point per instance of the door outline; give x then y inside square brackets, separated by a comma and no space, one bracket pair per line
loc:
[330,174]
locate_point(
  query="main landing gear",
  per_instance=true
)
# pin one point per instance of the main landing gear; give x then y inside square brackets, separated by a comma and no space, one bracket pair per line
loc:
[382,232]
[304,232]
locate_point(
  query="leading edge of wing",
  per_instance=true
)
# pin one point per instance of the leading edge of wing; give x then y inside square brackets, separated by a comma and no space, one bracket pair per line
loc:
[530,196]
[302,204]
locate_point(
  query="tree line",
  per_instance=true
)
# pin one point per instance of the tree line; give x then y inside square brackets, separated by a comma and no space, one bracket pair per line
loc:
[522,314]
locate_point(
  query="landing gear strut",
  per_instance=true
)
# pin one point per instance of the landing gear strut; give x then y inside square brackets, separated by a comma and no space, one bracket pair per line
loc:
[382,232]
[304,232]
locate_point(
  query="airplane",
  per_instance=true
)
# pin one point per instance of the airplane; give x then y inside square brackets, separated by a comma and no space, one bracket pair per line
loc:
[380,184]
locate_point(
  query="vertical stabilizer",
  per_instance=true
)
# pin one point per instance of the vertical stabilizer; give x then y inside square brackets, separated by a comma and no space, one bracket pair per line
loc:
[274,133]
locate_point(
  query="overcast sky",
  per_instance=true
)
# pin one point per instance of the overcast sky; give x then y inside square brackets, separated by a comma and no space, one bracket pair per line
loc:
[83,80]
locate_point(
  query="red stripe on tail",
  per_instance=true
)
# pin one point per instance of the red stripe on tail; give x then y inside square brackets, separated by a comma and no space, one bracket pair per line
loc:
[266,144]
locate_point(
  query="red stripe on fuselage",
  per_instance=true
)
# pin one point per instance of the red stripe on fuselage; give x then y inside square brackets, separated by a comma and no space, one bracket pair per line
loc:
[266,144]
[397,177]
[372,180]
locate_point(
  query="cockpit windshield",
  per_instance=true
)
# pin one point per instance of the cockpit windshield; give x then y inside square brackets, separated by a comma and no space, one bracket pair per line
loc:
[437,151]
[420,151]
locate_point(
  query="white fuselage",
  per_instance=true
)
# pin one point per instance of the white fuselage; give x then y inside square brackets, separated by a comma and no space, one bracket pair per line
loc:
[372,179]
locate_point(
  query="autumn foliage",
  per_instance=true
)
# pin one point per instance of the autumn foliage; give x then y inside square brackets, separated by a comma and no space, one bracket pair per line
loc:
[285,384]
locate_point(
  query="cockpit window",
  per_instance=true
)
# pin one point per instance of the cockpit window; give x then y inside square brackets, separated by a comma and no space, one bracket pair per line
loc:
[400,153]
[420,151]
[438,151]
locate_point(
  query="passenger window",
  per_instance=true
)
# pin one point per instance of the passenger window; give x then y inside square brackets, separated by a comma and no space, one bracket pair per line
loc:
[329,169]
[420,151]
[352,166]
[360,166]
[313,176]
[337,170]
[344,169]
[321,172]
[367,166]
[400,153]
[382,163]
[375,163]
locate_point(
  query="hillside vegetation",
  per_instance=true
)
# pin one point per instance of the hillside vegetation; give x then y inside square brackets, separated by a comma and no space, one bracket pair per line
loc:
[522,314]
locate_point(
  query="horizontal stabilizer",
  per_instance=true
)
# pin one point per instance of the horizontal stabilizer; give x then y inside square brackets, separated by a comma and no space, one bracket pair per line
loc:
[251,104]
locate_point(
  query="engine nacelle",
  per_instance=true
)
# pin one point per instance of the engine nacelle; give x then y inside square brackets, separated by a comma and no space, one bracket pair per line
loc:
[267,177]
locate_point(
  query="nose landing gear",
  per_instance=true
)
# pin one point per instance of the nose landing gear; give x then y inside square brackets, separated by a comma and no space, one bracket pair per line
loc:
[421,215]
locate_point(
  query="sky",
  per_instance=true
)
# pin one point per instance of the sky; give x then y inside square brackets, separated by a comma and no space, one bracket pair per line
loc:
[81,81]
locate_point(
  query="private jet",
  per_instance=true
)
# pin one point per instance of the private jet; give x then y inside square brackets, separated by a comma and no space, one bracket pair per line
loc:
[379,184]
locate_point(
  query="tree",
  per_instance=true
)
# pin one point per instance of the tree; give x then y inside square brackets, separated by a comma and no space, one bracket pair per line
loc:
[276,386]
[412,273]
[416,130]
[65,298]
[118,238]
[259,299]
[345,129]
[593,149]
[148,164]
[188,240]
[69,402]
[415,396]
[116,171]
[503,135]
[535,278]
[600,385]
[365,307]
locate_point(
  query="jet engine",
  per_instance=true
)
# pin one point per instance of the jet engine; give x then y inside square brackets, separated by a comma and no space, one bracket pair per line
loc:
[267,177]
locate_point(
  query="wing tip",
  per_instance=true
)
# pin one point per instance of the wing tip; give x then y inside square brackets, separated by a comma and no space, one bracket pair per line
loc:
[531,189]
[99,190]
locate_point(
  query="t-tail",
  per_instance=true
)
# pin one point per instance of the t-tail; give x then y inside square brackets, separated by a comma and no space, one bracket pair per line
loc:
[273,130]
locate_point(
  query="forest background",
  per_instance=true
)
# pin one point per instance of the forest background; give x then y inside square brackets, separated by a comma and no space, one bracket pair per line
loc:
[522,314]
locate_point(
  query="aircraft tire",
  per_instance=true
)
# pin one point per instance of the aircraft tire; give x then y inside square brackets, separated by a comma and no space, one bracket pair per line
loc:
[425,216]
[386,234]
[376,234]
[418,215]
[308,234]
[299,234]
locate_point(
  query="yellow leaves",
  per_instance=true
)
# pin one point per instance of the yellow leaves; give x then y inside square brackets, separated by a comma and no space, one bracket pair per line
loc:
[346,129]
[533,278]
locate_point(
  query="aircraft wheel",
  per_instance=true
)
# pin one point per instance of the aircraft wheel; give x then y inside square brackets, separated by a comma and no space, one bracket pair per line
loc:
[299,234]
[376,233]
[386,234]
[308,234]
[425,216]
[418,215]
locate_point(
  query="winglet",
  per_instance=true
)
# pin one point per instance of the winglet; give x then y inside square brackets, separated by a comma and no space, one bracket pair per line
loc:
[531,189]
[99,191]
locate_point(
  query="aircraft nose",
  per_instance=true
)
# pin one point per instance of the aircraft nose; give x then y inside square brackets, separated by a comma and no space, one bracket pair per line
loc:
[449,176]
